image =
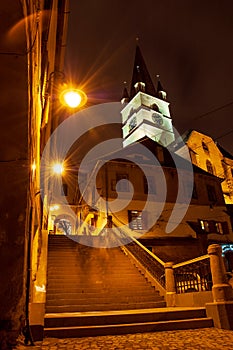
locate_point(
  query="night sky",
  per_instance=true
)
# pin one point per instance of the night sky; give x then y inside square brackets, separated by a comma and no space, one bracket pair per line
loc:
[189,43]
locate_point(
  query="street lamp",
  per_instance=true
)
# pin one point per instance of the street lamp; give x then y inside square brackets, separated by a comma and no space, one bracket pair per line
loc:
[58,168]
[69,96]
[73,98]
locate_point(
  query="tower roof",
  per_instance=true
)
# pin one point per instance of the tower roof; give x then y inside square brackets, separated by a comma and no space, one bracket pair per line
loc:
[141,75]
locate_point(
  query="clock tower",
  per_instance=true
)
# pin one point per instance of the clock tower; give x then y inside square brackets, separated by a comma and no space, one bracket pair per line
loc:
[146,110]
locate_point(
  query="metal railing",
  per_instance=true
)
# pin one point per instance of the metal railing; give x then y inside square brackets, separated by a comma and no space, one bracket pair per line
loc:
[148,260]
[151,262]
[190,276]
[193,275]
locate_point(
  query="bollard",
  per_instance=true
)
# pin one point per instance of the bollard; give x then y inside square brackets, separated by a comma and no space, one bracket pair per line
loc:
[221,290]
[170,284]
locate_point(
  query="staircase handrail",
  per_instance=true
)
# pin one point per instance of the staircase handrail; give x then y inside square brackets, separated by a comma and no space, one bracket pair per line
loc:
[188,262]
[193,275]
[152,264]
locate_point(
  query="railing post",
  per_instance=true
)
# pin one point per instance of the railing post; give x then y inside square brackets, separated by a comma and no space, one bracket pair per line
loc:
[170,284]
[221,290]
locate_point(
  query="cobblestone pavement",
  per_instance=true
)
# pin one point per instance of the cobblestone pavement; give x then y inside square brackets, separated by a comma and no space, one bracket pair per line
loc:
[195,339]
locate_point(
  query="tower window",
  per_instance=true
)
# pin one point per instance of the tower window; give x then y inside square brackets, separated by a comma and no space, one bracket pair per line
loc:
[155,107]
[209,167]
[205,147]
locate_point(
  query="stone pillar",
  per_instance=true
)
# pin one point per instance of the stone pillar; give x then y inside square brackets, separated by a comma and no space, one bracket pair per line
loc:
[221,290]
[170,284]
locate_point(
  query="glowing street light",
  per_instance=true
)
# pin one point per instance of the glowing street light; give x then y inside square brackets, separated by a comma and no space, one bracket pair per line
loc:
[58,168]
[73,98]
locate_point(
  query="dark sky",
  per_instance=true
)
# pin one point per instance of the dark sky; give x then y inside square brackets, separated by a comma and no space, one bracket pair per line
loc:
[189,43]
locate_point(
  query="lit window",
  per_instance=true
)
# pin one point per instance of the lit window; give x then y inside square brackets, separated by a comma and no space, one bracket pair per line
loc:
[212,226]
[135,220]
[219,227]
[204,225]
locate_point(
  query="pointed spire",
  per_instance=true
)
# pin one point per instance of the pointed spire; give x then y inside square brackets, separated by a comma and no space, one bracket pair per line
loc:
[141,80]
[160,90]
[125,95]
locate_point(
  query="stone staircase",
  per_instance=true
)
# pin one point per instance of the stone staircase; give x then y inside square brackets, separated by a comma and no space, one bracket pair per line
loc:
[97,291]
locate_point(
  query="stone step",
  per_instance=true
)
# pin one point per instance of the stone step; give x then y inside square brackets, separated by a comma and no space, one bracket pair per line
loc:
[90,331]
[100,279]
[97,276]
[122,323]
[121,317]
[85,283]
[101,293]
[105,299]
[104,307]
[99,289]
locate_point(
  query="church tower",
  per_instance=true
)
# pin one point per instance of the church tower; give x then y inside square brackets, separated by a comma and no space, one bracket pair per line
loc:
[146,111]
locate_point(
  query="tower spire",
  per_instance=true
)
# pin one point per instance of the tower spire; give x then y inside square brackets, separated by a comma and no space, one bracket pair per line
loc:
[125,95]
[141,80]
[161,93]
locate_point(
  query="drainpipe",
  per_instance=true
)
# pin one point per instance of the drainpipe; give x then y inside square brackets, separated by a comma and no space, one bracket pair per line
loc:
[27,329]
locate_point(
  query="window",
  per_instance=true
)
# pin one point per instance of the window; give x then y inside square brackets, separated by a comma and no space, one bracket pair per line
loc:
[149,184]
[122,186]
[135,220]
[211,193]
[205,147]
[209,167]
[155,107]
[219,227]
[211,226]
[64,191]
[204,225]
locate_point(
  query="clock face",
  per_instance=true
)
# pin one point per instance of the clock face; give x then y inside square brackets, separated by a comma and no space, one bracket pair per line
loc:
[157,119]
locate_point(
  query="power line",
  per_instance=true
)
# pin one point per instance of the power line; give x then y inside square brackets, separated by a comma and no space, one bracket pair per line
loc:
[213,111]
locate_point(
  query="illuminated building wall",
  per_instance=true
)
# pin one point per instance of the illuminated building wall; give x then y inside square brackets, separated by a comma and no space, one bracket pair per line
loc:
[210,156]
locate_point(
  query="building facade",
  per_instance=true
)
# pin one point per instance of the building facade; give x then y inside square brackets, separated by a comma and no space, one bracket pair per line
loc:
[34,35]
[211,157]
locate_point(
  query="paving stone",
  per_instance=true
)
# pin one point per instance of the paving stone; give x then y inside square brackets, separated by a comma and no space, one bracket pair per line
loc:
[197,339]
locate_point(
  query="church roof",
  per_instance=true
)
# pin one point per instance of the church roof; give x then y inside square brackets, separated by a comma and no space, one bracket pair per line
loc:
[141,74]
